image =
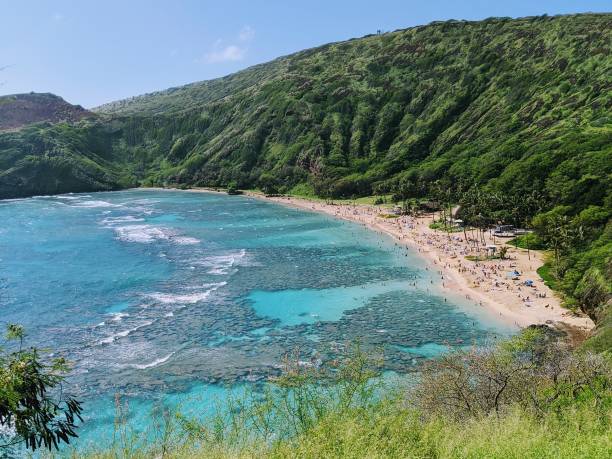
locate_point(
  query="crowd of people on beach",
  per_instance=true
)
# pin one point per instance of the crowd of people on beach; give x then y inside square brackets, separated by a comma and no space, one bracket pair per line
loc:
[469,265]
[486,274]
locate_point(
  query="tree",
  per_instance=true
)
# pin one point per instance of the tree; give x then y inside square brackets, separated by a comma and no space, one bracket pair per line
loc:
[410,207]
[31,403]
[232,188]
[479,210]
[593,290]
[559,234]
[268,183]
[533,370]
[522,208]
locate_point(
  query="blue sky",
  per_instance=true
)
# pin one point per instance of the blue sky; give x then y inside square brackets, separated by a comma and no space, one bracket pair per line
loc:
[91,52]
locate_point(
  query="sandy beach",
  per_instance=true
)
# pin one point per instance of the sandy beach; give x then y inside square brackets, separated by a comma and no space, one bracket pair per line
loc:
[486,283]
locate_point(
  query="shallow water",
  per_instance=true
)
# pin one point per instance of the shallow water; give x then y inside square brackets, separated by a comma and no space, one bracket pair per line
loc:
[159,295]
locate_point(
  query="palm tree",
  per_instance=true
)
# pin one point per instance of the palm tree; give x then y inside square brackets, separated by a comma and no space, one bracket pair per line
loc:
[560,235]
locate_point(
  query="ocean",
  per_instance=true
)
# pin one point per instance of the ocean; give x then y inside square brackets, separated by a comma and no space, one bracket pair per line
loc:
[162,297]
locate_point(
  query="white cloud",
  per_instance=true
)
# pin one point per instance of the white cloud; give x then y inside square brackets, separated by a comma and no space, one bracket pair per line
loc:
[231,52]
[58,16]
[226,54]
[247,33]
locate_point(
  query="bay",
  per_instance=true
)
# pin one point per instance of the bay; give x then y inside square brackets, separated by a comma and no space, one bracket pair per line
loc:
[165,296]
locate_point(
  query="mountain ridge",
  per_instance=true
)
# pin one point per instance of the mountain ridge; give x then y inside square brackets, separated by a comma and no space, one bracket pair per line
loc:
[358,116]
[117,106]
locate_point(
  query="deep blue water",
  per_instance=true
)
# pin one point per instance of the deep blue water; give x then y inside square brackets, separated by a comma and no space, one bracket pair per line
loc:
[163,295]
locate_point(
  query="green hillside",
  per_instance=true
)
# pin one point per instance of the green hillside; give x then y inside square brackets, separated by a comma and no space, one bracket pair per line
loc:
[504,102]
[512,108]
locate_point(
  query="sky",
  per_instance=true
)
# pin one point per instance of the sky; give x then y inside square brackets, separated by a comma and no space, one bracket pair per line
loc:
[92,52]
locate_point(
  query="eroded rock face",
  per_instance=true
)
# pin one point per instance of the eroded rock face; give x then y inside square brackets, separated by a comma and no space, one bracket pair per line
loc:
[19,110]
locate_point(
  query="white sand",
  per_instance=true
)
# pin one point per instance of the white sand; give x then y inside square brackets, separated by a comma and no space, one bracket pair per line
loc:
[485,282]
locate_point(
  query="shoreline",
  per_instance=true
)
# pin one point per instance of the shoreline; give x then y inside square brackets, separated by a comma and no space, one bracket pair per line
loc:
[484,283]
[456,276]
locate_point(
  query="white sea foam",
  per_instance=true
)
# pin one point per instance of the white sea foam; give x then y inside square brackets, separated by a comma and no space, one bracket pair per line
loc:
[117,316]
[144,201]
[141,233]
[123,219]
[185,240]
[95,204]
[185,298]
[146,234]
[154,363]
[107,340]
[112,338]
[222,264]
[169,298]
[67,196]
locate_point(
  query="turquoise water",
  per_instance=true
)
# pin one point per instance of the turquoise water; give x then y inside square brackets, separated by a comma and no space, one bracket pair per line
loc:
[162,296]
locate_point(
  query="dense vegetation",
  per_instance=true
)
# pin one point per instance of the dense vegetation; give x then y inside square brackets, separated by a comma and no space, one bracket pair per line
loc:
[47,159]
[515,104]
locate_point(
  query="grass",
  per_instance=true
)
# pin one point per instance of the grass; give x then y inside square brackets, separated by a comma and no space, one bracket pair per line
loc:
[439,226]
[304,192]
[527,241]
[545,273]
[354,416]
[477,258]
[389,430]
[601,338]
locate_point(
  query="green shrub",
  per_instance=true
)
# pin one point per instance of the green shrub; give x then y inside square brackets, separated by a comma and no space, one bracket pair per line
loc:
[525,397]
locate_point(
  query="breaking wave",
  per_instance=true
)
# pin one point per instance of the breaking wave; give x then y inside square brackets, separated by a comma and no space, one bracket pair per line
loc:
[222,264]
[122,334]
[185,240]
[153,364]
[146,234]
[185,298]
[124,219]
[95,204]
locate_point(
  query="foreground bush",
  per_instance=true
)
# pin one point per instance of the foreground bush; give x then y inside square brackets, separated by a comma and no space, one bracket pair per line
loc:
[532,370]
[34,412]
[388,430]
[528,397]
